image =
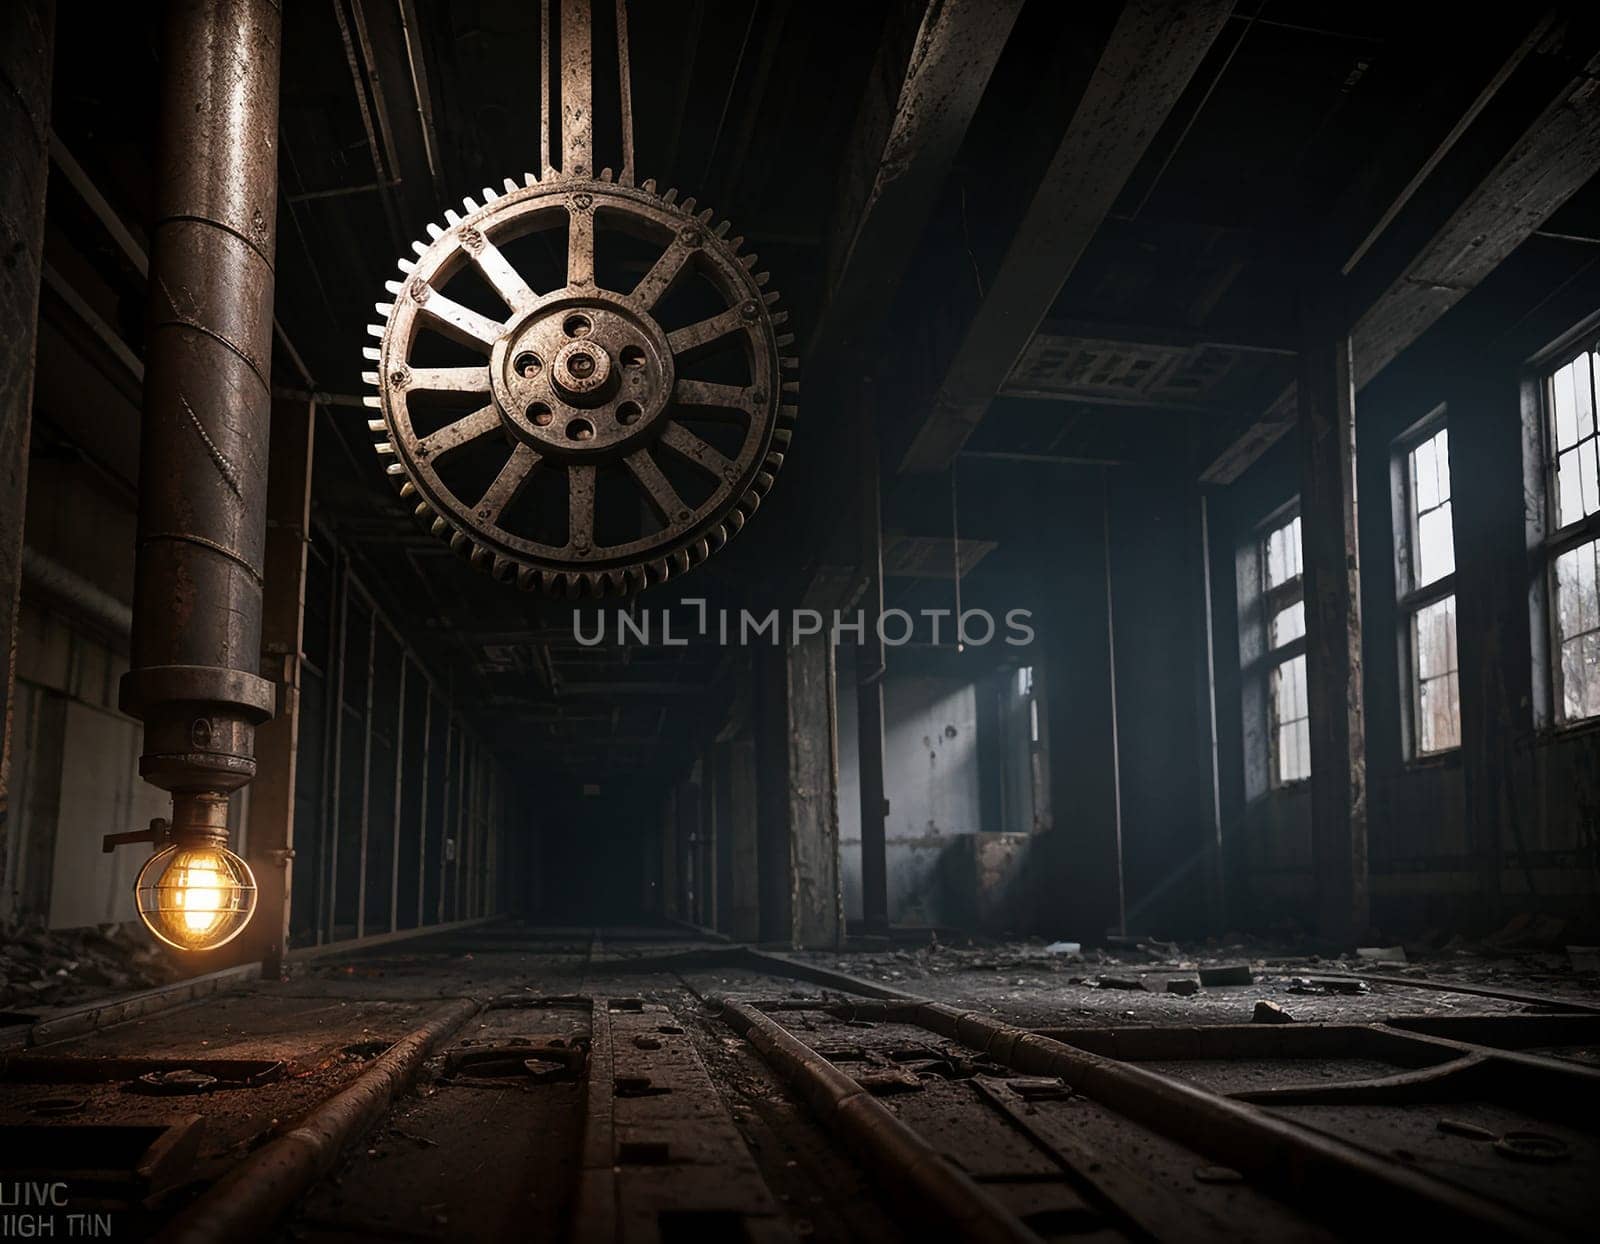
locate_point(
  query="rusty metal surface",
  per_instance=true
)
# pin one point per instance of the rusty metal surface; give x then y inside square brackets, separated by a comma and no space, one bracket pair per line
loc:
[202,499]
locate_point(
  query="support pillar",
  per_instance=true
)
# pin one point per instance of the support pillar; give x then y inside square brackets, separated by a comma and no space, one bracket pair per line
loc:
[1494,654]
[1326,399]
[27,55]
[801,900]
[272,797]
[741,900]
[870,670]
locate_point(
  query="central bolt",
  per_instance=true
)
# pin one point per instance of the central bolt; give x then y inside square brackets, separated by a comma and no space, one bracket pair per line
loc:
[581,370]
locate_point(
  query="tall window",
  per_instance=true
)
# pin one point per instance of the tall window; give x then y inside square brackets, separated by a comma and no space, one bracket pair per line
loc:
[1574,534]
[1283,597]
[1425,570]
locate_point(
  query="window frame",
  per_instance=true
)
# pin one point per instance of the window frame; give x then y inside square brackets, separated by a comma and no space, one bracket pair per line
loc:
[1410,600]
[1272,601]
[1553,540]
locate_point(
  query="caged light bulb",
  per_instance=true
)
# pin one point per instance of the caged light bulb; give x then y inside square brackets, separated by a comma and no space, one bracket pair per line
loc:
[196,897]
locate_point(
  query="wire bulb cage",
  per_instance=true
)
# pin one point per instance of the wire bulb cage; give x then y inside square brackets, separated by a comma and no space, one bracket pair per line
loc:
[195,897]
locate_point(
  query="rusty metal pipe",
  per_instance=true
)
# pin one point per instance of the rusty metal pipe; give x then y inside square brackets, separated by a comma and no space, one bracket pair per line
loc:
[246,1201]
[196,643]
[953,1206]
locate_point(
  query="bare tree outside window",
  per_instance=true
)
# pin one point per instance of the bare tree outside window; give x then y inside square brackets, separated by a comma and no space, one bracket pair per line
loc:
[1573,459]
[1425,567]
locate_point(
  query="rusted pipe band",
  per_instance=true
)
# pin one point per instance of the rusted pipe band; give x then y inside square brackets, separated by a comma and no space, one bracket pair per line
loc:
[253,1195]
[931,1186]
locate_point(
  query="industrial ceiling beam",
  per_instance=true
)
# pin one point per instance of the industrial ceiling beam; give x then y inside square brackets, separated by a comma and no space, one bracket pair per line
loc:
[1153,52]
[1554,157]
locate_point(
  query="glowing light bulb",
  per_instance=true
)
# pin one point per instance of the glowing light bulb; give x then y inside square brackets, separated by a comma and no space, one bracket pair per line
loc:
[196,897]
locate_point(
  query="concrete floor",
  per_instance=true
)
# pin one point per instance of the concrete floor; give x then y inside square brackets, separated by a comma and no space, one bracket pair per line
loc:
[496,1151]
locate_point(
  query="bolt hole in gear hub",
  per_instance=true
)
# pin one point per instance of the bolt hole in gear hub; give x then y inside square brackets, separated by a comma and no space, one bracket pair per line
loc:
[580,380]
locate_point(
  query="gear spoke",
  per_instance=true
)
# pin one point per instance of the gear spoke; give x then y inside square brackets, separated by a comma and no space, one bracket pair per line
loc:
[705,393]
[459,323]
[449,380]
[452,436]
[508,485]
[661,277]
[580,507]
[669,506]
[507,281]
[580,249]
[697,336]
[682,441]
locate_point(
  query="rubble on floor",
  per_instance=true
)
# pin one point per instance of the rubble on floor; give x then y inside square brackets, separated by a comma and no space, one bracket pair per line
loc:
[42,968]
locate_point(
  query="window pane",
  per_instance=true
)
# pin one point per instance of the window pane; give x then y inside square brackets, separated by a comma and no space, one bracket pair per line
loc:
[1283,553]
[1583,394]
[1586,473]
[1291,758]
[1438,702]
[1569,489]
[1441,459]
[1436,550]
[1578,630]
[1424,477]
[1288,625]
[1564,398]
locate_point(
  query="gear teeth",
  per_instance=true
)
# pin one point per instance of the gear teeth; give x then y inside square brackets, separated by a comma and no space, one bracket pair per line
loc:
[376,425]
[649,186]
[671,197]
[770,297]
[394,287]
[784,339]
[419,248]
[478,556]
[699,551]
[679,560]
[791,386]
[511,186]
[749,261]
[735,243]
[789,363]
[780,317]
[763,483]
[386,448]
[703,217]
[659,571]
[489,195]
[687,206]
[375,330]
[460,542]
[450,218]
[394,468]
[423,509]
[469,205]
[527,578]
[407,491]
[735,522]
[762,278]
[774,462]
[370,377]
[788,414]
[434,231]
[384,308]
[722,229]
[607,175]
[781,437]
[719,537]
[406,266]
[439,527]
[528,179]
[371,353]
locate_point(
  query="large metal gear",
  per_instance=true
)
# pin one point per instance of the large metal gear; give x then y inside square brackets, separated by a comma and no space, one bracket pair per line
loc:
[583,392]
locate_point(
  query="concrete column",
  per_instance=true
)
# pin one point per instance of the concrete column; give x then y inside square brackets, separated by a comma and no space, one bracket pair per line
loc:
[870,669]
[271,844]
[27,55]
[801,900]
[1332,560]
